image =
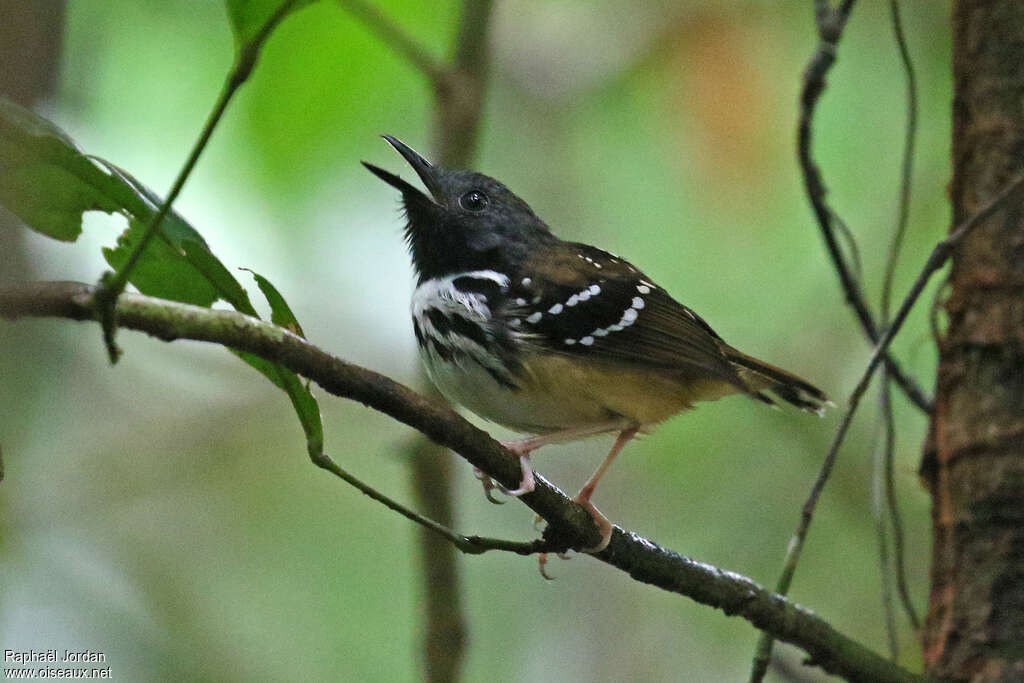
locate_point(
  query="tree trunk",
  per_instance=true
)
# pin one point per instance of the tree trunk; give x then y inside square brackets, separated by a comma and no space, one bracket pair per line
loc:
[975,463]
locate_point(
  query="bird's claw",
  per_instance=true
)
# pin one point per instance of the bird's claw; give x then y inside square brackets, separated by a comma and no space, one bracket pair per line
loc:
[488,485]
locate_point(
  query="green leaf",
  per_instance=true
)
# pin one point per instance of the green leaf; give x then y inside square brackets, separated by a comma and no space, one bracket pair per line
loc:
[48,183]
[248,17]
[186,243]
[228,288]
[162,271]
[44,179]
[308,410]
[305,404]
[280,312]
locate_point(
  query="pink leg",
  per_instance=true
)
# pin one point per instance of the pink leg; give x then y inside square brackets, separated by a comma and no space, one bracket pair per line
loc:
[583,497]
[523,448]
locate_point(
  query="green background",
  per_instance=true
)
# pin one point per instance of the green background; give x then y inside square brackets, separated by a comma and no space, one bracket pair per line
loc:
[164,512]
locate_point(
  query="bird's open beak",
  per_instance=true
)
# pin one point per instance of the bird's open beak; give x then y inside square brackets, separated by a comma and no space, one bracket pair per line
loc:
[424,169]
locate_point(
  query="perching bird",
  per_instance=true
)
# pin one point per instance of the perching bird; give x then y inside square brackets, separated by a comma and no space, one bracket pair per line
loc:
[556,339]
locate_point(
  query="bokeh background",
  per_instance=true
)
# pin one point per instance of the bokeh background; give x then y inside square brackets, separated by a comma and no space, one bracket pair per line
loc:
[164,512]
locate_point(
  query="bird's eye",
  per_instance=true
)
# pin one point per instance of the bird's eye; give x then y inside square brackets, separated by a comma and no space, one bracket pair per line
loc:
[474,200]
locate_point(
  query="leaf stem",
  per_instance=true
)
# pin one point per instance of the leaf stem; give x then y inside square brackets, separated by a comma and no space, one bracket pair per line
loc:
[112,284]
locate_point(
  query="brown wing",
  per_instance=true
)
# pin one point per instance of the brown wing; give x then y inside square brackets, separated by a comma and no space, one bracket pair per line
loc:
[587,302]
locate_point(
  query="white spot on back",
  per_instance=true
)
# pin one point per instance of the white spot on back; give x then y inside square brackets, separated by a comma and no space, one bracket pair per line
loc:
[534,317]
[527,281]
[643,289]
[570,342]
[584,295]
[587,341]
[638,302]
[555,310]
[572,300]
[594,290]
[600,332]
[520,301]
[629,316]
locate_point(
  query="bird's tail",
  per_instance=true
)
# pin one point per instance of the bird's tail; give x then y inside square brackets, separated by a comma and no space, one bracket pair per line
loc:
[761,377]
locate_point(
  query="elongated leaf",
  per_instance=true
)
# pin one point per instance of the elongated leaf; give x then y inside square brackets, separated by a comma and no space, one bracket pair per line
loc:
[303,401]
[280,312]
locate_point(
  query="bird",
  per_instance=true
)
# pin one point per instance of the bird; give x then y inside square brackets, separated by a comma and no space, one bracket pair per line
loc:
[555,339]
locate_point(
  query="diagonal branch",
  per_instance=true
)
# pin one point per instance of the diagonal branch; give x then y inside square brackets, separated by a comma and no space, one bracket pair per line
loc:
[570,525]
[392,35]
[830,28]
[936,260]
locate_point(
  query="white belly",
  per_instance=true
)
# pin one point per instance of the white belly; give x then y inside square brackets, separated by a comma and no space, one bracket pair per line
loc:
[523,409]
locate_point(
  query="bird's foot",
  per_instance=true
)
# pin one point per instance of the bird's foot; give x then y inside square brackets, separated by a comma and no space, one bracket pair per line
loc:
[603,525]
[542,564]
[521,448]
[488,485]
[526,483]
[602,522]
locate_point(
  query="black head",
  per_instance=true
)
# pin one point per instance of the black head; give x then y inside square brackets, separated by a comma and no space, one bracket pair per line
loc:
[469,222]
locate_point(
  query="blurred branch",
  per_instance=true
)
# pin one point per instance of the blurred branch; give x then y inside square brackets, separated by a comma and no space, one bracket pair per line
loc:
[883,504]
[458,95]
[830,23]
[392,35]
[886,473]
[458,100]
[936,260]
[569,524]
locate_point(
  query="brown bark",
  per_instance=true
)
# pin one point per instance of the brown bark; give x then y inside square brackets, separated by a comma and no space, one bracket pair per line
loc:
[975,463]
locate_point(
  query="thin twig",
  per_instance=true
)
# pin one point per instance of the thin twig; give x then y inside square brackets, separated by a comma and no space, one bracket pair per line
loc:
[112,284]
[458,96]
[903,215]
[881,466]
[830,28]
[940,254]
[830,24]
[570,525]
[473,545]
[907,166]
[851,244]
[392,35]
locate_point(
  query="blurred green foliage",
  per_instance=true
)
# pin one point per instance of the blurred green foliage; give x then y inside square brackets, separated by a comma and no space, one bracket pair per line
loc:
[164,511]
